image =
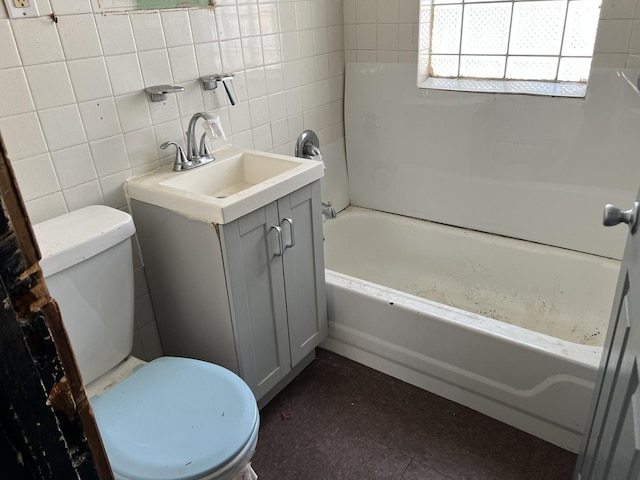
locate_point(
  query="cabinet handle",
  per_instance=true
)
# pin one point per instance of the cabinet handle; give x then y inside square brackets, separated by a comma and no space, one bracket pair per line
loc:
[280,243]
[291,231]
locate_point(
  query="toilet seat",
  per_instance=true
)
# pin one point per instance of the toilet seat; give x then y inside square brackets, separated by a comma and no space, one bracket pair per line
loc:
[177,419]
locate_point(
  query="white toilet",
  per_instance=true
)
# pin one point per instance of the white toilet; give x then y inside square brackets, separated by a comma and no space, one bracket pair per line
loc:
[170,419]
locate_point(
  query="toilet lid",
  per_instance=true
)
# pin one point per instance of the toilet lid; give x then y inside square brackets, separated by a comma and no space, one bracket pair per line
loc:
[175,418]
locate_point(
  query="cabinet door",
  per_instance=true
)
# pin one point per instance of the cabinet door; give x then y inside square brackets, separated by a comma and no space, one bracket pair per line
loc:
[254,272]
[303,261]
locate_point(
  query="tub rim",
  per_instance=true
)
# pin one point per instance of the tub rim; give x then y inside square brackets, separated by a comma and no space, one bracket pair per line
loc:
[564,350]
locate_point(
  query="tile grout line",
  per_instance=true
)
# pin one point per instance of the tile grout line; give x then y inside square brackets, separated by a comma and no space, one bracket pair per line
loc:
[405,469]
[411,458]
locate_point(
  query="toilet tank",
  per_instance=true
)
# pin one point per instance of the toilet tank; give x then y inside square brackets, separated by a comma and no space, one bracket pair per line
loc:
[88,267]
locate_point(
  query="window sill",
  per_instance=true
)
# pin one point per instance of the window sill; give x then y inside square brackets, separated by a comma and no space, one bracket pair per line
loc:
[549,89]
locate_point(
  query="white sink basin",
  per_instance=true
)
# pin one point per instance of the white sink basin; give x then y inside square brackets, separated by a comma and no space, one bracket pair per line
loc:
[236,183]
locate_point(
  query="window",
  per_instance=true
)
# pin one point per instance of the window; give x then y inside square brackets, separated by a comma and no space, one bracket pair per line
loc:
[539,47]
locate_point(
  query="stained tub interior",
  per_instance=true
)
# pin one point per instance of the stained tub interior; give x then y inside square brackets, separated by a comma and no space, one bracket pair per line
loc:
[554,291]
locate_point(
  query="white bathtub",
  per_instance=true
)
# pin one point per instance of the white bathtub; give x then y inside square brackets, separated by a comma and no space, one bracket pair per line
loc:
[510,328]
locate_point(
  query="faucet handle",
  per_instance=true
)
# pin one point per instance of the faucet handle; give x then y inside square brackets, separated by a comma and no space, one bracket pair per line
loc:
[204,148]
[181,162]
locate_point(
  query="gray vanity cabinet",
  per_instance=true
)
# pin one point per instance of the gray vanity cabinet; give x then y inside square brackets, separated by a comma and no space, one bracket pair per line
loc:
[233,294]
[304,288]
[275,269]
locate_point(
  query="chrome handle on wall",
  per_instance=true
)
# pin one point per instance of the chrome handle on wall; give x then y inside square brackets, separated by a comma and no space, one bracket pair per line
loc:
[226,88]
[307,145]
[613,215]
[210,82]
[291,231]
[280,242]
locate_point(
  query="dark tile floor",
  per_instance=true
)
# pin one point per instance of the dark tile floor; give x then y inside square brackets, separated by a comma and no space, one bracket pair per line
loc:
[342,420]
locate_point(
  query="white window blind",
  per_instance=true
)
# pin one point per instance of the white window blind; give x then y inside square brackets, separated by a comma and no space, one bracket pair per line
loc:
[539,40]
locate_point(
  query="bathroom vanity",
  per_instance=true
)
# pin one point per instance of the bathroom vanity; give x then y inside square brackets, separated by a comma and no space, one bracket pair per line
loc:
[237,281]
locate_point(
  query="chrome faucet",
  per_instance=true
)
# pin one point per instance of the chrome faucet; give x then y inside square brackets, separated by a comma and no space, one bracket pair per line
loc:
[195,156]
[328,211]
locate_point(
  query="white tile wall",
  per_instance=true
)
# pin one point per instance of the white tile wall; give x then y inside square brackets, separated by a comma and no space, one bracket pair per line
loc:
[74,166]
[116,34]
[147,31]
[203,26]
[183,63]
[23,136]
[177,29]
[100,118]
[386,31]
[10,57]
[50,85]
[43,177]
[37,42]
[83,195]
[89,78]
[125,74]
[64,7]
[79,36]
[62,128]
[76,122]
[615,42]
[19,100]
